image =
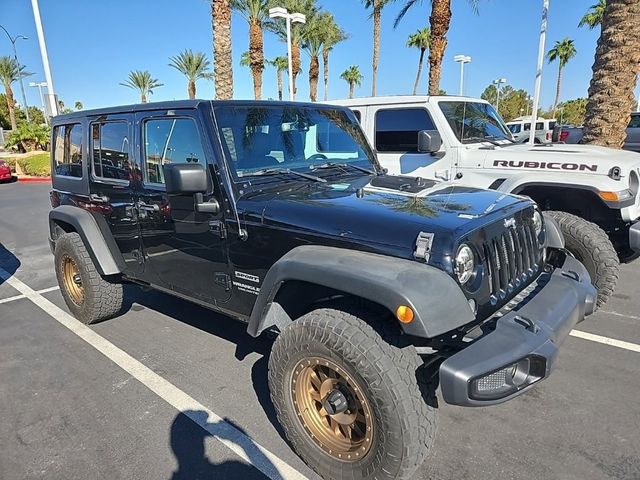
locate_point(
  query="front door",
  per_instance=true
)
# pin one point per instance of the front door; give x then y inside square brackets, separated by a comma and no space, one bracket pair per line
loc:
[184,250]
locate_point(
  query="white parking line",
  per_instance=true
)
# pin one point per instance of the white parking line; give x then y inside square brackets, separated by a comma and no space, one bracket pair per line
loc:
[18,297]
[605,340]
[242,445]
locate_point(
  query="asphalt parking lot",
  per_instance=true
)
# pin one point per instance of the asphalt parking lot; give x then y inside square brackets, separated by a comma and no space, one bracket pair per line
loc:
[171,390]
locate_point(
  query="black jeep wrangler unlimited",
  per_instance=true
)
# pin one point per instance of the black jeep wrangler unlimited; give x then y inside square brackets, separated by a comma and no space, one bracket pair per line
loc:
[379,288]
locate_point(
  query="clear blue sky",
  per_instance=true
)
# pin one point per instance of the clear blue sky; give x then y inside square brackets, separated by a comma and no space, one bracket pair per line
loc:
[94,44]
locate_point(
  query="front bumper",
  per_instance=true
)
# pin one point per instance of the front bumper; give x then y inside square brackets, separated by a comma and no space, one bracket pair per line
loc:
[524,342]
[634,237]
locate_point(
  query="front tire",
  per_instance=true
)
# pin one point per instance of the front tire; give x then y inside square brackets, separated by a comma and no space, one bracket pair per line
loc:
[591,245]
[89,296]
[348,400]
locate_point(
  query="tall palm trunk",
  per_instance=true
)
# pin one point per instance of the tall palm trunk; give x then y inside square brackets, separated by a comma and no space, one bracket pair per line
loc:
[279,77]
[616,66]
[143,98]
[325,64]
[191,88]
[314,75]
[256,56]
[377,12]
[555,103]
[352,87]
[222,60]
[295,64]
[415,86]
[10,105]
[440,20]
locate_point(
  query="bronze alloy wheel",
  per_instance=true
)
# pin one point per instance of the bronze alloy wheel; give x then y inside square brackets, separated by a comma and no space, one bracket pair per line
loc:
[332,408]
[72,280]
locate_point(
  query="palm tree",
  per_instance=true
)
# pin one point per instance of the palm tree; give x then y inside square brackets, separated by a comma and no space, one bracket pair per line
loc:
[194,66]
[78,106]
[593,17]
[376,14]
[280,64]
[439,21]
[317,30]
[11,71]
[255,12]
[298,31]
[614,75]
[353,77]
[420,40]
[222,58]
[143,82]
[563,51]
[333,35]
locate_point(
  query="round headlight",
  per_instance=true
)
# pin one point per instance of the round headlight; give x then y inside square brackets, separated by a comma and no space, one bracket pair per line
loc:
[537,222]
[464,264]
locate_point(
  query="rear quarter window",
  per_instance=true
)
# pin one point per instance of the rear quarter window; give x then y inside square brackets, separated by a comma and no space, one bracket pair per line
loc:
[67,150]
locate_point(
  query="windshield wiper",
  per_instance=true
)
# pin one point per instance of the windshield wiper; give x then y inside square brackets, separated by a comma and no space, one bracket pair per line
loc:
[483,139]
[322,166]
[285,171]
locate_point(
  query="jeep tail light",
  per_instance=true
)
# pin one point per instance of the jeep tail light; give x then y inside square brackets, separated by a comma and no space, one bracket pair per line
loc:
[508,380]
[548,136]
[563,136]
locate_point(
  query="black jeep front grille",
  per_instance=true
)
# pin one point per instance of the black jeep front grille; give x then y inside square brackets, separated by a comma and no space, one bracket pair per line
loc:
[511,259]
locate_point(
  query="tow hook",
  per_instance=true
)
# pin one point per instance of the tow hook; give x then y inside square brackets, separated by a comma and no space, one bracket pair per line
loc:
[526,323]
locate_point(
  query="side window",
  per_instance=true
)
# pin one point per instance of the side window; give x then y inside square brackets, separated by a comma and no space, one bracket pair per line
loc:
[539,126]
[552,125]
[358,115]
[397,130]
[635,121]
[67,150]
[527,127]
[170,140]
[515,128]
[110,150]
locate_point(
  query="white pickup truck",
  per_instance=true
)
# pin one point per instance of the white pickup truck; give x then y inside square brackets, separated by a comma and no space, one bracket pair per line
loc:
[591,191]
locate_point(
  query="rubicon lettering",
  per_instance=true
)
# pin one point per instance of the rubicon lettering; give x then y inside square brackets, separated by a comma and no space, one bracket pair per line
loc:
[581,167]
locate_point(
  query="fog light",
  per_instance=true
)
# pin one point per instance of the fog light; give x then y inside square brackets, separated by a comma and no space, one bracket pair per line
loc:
[508,380]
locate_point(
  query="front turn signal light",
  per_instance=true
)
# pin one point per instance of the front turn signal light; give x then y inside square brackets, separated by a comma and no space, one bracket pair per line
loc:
[404,314]
[609,196]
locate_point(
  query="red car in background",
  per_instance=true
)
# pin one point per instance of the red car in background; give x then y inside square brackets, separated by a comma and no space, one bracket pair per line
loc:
[5,171]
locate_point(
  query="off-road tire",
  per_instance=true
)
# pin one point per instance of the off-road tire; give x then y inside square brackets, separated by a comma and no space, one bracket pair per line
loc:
[591,245]
[102,297]
[404,425]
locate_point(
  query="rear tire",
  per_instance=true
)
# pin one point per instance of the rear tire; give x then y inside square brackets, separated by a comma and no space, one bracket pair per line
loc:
[396,427]
[591,245]
[89,296]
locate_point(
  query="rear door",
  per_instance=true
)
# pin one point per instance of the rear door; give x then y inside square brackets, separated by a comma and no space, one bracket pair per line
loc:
[184,250]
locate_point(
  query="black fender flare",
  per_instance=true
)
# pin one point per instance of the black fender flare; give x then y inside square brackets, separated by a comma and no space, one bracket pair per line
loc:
[95,235]
[438,303]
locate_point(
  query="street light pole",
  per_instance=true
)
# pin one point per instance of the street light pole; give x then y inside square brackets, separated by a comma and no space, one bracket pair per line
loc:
[40,85]
[53,105]
[280,12]
[462,59]
[15,55]
[536,95]
[497,83]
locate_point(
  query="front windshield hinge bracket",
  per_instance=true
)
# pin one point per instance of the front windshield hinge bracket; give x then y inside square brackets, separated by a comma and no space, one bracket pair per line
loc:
[423,246]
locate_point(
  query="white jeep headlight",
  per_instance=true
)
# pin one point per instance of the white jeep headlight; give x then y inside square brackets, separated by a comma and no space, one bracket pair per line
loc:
[537,222]
[465,263]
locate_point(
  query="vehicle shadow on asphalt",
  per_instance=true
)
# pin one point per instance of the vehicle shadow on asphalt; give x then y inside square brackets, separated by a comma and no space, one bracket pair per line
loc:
[219,326]
[188,444]
[8,262]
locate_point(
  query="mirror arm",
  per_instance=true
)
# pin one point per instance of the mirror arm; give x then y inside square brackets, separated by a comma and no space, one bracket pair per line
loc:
[211,206]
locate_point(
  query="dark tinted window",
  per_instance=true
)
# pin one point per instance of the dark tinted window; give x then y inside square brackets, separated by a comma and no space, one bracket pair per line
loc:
[170,141]
[67,150]
[527,127]
[110,149]
[635,121]
[515,128]
[358,115]
[552,125]
[397,130]
[539,126]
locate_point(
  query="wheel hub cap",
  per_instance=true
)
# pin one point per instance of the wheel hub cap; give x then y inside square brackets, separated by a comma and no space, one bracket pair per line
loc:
[332,408]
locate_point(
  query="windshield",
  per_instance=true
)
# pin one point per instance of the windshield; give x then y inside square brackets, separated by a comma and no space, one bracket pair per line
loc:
[514,127]
[290,138]
[473,121]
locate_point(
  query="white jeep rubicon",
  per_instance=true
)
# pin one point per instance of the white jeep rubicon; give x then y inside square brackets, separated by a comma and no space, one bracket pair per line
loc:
[591,191]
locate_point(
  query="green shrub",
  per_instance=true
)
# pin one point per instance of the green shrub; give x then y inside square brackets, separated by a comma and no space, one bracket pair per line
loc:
[37,165]
[28,137]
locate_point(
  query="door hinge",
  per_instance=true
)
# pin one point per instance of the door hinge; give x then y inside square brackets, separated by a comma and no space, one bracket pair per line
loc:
[223,280]
[217,227]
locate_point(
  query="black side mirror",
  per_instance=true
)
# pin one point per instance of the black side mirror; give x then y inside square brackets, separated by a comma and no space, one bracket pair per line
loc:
[429,141]
[185,178]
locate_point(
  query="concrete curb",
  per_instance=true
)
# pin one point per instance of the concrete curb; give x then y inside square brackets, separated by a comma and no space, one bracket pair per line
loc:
[34,179]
